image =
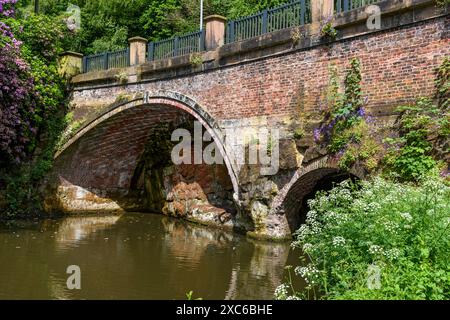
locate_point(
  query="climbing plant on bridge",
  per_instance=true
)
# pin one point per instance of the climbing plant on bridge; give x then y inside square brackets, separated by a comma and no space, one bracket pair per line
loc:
[345,130]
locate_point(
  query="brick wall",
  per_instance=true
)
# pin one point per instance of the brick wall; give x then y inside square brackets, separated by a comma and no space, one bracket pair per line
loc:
[397,67]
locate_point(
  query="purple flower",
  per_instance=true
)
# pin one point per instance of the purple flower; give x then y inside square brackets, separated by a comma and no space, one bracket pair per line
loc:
[361,112]
[317,135]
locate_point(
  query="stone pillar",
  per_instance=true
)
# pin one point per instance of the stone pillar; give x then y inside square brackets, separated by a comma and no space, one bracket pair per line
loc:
[70,64]
[321,10]
[214,32]
[138,50]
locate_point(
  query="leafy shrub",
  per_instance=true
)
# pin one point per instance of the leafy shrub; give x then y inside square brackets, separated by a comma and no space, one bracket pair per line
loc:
[33,103]
[424,131]
[17,97]
[399,229]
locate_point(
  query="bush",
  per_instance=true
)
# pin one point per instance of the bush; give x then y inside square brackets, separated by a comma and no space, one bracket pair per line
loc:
[424,131]
[400,231]
[33,104]
[17,97]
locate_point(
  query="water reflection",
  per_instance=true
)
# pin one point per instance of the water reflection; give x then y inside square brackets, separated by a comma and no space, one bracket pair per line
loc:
[73,230]
[137,256]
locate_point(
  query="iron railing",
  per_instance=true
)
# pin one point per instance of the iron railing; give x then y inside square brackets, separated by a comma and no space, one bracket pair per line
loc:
[177,46]
[347,5]
[294,13]
[107,60]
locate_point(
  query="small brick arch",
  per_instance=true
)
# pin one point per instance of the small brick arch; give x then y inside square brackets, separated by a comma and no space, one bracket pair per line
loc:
[168,99]
[290,199]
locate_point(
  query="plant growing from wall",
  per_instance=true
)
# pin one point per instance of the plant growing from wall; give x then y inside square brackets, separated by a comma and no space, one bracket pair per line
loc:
[296,35]
[327,31]
[345,130]
[122,77]
[196,59]
[424,131]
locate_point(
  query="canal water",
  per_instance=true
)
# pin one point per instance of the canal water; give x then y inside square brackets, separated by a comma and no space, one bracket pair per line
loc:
[137,256]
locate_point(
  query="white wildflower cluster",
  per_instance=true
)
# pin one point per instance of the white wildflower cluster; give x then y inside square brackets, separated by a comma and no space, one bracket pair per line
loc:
[365,207]
[335,218]
[309,273]
[303,233]
[390,226]
[307,247]
[392,254]
[407,216]
[311,216]
[312,226]
[339,241]
[345,194]
[281,292]
[293,298]
[375,249]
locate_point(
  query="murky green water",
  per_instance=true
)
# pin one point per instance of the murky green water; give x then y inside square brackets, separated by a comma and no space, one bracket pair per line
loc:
[137,256]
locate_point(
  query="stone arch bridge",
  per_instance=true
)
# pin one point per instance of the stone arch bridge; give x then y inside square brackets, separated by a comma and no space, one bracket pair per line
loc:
[116,152]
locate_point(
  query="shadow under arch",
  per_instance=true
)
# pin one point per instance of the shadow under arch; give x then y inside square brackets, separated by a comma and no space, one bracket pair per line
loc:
[319,175]
[168,99]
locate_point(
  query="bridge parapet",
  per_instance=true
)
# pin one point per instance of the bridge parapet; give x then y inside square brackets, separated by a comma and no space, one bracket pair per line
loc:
[348,23]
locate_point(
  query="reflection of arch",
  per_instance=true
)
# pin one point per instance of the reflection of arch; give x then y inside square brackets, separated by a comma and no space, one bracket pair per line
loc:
[307,179]
[167,99]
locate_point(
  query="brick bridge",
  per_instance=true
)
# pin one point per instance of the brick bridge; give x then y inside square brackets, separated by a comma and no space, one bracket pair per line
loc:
[116,153]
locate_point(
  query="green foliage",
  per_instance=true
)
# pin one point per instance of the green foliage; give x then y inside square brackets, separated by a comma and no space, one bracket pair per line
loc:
[328,31]
[107,24]
[423,133]
[345,130]
[443,3]
[190,296]
[43,40]
[401,231]
[299,133]
[196,59]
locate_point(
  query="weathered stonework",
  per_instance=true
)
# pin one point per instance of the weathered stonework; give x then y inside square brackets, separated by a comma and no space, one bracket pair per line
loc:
[266,82]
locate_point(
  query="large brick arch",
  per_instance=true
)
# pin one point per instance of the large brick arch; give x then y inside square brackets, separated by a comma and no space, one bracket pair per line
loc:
[138,115]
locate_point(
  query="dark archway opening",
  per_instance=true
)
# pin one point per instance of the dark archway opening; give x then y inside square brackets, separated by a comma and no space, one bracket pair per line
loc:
[323,184]
[307,187]
[197,191]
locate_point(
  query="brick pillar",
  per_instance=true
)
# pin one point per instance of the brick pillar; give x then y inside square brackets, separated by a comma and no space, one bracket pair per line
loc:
[321,10]
[70,64]
[214,32]
[138,50]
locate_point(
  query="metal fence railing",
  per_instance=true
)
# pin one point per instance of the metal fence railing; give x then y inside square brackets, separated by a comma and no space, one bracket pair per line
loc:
[107,60]
[177,46]
[294,13]
[347,5]
[291,14]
